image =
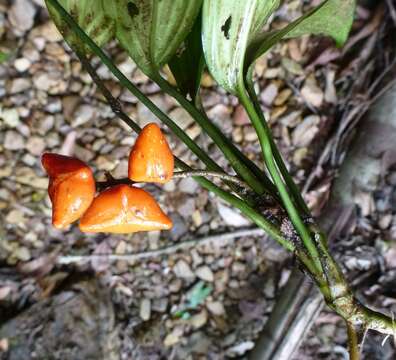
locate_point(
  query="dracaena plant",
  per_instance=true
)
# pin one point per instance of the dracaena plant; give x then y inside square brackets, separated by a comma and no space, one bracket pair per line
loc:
[227,36]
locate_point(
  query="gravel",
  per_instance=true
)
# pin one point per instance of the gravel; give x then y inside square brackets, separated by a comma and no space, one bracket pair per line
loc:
[49,104]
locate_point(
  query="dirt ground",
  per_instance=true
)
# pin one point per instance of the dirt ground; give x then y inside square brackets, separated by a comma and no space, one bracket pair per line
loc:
[208,295]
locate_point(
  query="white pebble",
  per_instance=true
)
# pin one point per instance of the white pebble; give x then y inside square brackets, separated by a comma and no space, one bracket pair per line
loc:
[22,64]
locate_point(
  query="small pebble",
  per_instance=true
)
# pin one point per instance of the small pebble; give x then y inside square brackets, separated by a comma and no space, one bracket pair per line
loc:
[205,273]
[22,64]
[183,270]
[216,308]
[14,141]
[145,309]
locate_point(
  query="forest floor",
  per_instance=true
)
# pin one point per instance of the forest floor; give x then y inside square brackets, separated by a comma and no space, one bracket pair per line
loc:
[210,292]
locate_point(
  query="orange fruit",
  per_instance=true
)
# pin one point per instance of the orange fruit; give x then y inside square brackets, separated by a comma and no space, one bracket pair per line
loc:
[151,159]
[124,209]
[71,188]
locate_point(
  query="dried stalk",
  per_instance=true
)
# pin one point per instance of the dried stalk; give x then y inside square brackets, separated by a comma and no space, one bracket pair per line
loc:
[168,250]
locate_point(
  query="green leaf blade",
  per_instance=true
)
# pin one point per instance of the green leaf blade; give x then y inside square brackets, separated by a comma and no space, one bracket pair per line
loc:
[151,31]
[229,26]
[188,63]
[90,15]
[333,18]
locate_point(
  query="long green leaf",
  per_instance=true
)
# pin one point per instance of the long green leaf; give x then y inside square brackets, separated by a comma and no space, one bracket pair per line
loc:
[229,26]
[90,15]
[332,17]
[152,30]
[188,63]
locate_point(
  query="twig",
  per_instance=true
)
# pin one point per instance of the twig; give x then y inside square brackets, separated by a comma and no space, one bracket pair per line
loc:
[378,80]
[363,340]
[205,173]
[392,10]
[297,93]
[275,344]
[383,90]
[68,259]
[102,185]
[111,181]
[111,100]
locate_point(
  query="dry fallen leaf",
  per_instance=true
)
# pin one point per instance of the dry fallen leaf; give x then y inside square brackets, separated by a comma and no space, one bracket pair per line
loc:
[311,92]
[305,132]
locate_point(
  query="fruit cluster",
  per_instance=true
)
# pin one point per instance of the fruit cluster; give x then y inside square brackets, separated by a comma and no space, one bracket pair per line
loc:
[118,209]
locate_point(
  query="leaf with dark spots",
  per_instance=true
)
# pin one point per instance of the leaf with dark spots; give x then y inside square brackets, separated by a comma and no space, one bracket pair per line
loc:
[90,16]
[237,22]
[226,27]
[152,31]
[133,10]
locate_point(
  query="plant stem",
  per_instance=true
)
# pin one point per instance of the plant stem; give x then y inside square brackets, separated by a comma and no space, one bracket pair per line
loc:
[250,212]
[335,279]
[273,170]
[205,173]
[376,321]
[111,100]
[278,157]
[111,181]
[243,166]
[353,346]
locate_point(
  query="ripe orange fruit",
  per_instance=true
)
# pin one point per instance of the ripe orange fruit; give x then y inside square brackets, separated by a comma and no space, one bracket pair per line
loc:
[124,209]
[71,188]
[151,159]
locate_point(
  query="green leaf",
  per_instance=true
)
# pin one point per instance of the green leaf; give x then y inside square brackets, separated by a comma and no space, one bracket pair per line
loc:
[198,294]
[229,27]
[195,297]
[152,30]
[332,17]
[3,57]
[90,16]
[188,63]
